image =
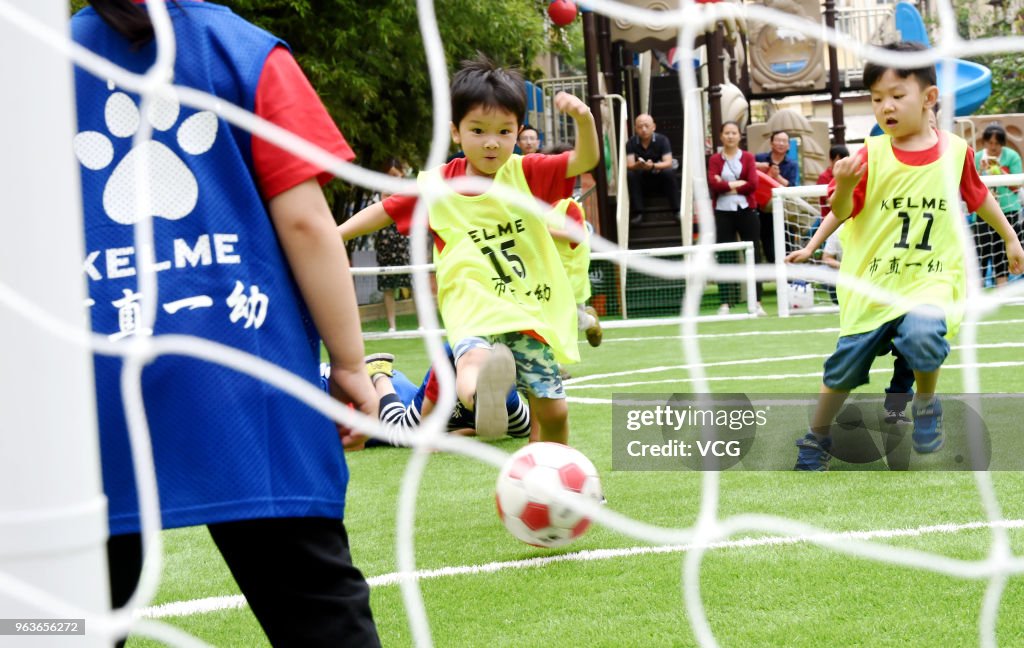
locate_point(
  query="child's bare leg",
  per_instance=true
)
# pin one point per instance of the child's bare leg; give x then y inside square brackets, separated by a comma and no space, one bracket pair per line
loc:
[389,308]
[467,370]
[830,401]
[552,416]
[483,378]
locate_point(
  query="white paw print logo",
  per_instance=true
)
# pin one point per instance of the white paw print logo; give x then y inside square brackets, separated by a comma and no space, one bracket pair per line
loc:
[173,187]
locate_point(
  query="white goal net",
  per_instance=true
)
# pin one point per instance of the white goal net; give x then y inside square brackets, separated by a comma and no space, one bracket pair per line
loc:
[49,490]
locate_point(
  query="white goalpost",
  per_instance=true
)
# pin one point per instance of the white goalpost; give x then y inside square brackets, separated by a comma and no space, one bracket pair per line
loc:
[53,521]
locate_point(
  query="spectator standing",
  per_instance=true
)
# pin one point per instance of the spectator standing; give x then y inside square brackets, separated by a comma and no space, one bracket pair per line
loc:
[392,250]
[732,179]
[996,158]
[777,165]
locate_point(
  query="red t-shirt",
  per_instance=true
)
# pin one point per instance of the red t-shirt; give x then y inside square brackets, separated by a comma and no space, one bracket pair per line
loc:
[545,175]
[825,179]
[971,188]
[285,97]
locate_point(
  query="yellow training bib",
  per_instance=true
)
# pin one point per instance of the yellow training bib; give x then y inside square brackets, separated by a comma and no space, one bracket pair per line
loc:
[499,271]
[907,240]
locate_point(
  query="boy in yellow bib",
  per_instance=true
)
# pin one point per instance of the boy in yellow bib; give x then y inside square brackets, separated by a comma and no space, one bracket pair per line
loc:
[502,291]
[904,235]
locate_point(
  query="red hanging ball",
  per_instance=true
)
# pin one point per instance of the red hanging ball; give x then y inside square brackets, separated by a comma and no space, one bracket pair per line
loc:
[562,12]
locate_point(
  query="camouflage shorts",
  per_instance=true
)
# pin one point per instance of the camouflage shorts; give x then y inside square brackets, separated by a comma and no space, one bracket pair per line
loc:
[536,369]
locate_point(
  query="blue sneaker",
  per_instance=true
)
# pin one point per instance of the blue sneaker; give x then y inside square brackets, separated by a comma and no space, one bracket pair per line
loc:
[928,435]
[814,454]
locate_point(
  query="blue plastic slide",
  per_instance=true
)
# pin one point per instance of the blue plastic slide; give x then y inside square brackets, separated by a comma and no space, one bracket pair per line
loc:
[973,81]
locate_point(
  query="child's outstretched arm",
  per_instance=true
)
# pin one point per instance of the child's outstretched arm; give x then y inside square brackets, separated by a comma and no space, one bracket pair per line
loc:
[368,220]
[586,154]
[991,213]
[828,225]
[303,222]
[848,173]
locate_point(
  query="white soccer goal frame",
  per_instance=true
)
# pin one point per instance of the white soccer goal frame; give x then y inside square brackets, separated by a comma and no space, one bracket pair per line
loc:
[779,195]
[53,514]
[750,283]
[749,286]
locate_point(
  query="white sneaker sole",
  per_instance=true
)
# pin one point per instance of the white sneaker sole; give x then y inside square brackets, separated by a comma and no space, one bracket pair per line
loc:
[492,386]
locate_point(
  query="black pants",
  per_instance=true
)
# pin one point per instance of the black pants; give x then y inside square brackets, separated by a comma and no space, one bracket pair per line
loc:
[900,390]
[663,182]
[767,236]
[743,225]
[296,574]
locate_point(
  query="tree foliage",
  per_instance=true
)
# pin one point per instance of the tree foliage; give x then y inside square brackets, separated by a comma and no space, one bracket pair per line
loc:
[367,62]
[1007,76]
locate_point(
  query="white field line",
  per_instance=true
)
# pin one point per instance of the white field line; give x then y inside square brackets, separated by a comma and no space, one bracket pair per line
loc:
[576,382]
[708,336]
[667,381]
[215,603]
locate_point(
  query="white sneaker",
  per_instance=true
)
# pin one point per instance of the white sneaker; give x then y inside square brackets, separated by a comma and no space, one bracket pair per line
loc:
[391,329]
[759,311]
[723,309]
[493,383]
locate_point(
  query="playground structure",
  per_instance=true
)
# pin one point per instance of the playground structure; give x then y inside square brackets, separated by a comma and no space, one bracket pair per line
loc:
[738,65]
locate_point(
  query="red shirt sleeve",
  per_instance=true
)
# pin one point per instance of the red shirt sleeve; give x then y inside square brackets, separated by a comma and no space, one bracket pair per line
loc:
[716,163]
[401,207]
[545,174]
[972,189]
[285,97]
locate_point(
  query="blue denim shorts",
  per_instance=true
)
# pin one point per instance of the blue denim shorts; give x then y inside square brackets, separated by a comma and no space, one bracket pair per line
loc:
[536,367]
[919,336]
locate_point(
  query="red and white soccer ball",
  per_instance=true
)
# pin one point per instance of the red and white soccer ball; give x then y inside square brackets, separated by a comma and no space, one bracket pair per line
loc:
[524,484]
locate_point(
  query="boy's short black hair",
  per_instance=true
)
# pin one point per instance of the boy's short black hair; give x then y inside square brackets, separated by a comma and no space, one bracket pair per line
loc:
[925,75]
[480,82]
[838,152]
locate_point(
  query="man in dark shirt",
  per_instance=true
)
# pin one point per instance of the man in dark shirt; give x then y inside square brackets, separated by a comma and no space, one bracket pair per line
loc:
[649,165]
